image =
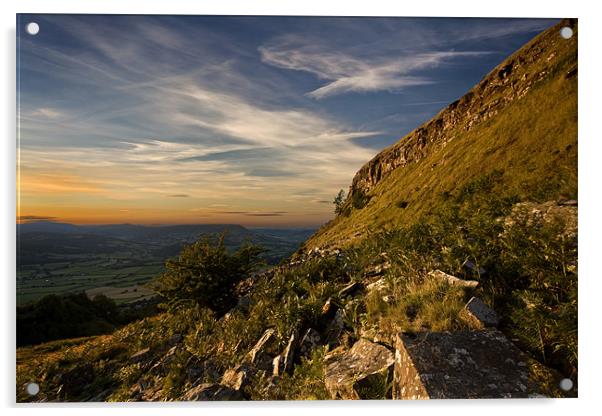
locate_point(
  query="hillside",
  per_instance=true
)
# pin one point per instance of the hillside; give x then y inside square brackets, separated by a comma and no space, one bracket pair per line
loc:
[450,272]
[520,120]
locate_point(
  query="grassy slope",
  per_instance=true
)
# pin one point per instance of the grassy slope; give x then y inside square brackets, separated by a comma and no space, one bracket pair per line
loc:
[533,141]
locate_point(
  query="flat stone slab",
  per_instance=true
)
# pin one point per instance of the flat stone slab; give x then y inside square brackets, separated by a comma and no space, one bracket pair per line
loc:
[355,374]
[453,280]
[478,315]
[460,365]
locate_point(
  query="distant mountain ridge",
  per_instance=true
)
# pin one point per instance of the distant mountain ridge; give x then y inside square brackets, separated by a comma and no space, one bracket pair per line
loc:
[121,229]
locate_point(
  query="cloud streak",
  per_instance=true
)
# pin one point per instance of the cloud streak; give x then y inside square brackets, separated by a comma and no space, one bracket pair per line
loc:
[346,73]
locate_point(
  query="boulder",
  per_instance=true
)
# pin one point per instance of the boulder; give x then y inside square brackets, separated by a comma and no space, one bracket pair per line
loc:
[378,285]
[363,372]
[236,377]
[334,329]
[453,280]
[459,365]
[212,392]
[472,269]
[309,341]
[478,315]
[283,363]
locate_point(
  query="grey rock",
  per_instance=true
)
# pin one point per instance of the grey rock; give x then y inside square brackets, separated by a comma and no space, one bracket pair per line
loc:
[472,268]
[333,331]
[478,315]
[355,374]
[237,377]
[453,280]
[459,365]
[379,285]
[309,341]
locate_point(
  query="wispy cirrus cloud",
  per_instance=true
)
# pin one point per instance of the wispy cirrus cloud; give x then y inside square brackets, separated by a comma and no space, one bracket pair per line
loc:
[170,118]
[346,73]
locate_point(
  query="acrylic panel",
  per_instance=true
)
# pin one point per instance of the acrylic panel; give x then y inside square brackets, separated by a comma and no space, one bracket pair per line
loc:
[295,208]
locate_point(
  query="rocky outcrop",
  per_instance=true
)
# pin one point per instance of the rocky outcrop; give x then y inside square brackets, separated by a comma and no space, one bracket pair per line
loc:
[537,214]
[503,85]
[237,377]
[460,365]
[364,370]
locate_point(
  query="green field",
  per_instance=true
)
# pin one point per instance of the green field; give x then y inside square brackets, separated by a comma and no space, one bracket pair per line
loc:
[110,275]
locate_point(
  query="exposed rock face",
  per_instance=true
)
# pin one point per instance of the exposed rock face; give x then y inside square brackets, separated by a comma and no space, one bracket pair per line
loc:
[460,365]
[355,374]
[453,280]
[212,392]
[478,315]
[499,88]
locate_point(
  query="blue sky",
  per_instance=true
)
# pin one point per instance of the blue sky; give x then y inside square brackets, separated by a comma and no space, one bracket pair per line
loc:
[253,120]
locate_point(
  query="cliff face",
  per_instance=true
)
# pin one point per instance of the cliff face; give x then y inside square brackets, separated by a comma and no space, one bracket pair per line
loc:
[509,81]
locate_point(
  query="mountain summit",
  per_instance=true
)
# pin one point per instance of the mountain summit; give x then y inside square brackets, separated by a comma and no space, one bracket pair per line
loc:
[520,121]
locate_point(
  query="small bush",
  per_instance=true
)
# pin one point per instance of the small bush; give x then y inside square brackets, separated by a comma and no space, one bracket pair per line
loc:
[206,274]
[359,199]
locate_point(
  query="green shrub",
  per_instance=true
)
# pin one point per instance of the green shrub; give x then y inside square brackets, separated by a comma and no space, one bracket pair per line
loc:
[206,274]
[359,199]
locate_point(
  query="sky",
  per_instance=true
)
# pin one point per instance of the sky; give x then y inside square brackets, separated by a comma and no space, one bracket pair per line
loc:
[258,121]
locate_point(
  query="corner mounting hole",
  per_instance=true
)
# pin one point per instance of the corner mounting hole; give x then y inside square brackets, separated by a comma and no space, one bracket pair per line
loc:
[566,384]
[32,28]
[566,32]
[32,388]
